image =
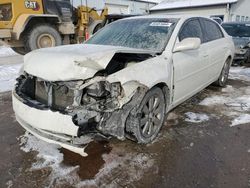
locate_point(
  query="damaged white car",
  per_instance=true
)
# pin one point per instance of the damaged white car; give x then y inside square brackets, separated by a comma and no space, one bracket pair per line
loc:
[123,81]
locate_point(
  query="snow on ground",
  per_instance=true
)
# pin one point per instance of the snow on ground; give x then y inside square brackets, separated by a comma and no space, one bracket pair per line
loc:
[6,51]
[8,74]
[234,103]
[135,165]
[228,89]
[235,108]
[240,73]
[242,119]
[242,102]
[196,117]
[49,156]
[215,100]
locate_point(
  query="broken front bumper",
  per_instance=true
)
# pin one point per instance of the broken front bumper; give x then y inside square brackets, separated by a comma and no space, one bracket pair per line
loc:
[63,119]
[52,127]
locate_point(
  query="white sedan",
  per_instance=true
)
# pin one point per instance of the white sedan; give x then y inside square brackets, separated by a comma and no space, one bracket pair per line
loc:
[123,81]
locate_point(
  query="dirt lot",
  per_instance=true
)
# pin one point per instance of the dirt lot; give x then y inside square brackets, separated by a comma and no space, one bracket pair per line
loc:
[205,143]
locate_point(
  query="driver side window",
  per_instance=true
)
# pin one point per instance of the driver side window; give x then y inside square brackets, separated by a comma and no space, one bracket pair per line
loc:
[191,29]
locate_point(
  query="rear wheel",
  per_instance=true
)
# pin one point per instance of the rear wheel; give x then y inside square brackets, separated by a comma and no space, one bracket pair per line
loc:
[221,82]
[146,124]
[42,36]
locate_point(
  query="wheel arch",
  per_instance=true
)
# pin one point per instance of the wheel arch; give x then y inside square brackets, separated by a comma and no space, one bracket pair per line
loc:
[230,59]
[26,21]
[166,91]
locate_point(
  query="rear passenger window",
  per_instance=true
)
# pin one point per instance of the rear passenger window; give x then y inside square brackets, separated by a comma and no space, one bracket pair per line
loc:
[191,29]
[211,31]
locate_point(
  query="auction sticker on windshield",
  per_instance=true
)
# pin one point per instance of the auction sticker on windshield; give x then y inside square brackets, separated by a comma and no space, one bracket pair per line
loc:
[161,24]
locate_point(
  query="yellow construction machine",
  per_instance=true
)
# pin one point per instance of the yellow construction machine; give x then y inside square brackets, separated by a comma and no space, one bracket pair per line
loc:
[26,25]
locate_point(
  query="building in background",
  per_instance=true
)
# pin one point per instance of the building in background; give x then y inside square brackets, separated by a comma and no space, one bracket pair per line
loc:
[227,10]
[120,6]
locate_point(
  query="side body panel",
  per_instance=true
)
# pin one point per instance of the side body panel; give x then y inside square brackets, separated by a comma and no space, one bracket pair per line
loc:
[190,72]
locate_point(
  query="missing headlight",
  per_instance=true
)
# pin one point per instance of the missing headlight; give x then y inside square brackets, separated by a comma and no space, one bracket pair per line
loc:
[104,89]
[98,90]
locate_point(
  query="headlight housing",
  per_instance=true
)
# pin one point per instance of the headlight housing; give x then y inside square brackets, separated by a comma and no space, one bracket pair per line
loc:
[98,89]
[5,12]
[104,89]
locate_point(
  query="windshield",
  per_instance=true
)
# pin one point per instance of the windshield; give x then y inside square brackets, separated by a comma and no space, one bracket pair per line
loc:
[237,30]
[142,33]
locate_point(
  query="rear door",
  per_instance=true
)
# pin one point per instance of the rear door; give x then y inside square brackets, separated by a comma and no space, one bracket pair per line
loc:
[216,44]
[189,65]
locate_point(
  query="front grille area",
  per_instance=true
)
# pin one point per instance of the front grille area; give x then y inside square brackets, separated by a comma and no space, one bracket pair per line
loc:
[62,97]
[34,89]
[40,93]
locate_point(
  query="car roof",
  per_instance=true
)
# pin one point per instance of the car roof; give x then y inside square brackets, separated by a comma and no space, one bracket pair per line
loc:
[173,16]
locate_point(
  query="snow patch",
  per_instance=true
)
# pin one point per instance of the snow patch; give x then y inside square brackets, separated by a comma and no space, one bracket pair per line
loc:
[242,119]
[113,173]
[9,184]
[241,103]
[196,118]
[8,74]
[6,51]
[48,155]
[240,73]
[214,100]
[228,89]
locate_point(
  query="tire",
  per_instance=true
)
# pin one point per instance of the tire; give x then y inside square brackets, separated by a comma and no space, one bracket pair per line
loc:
[146,124]
[222,80]
[42,36]
[19,50]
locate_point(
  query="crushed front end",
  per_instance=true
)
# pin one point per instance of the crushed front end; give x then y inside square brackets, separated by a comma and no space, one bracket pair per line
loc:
[63,112]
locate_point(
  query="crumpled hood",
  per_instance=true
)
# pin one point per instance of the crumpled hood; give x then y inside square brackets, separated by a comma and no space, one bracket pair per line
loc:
[72,62]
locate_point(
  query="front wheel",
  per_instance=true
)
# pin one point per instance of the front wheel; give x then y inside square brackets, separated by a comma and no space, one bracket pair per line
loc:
[146,124]
[221,82]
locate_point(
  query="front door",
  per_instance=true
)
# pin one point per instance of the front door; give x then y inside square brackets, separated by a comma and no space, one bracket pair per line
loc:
[189,65]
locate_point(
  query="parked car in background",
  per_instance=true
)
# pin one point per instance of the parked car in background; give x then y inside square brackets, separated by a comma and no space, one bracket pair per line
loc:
[240,31]
[123,81]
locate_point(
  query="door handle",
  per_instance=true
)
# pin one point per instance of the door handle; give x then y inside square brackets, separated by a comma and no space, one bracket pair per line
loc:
[206,55]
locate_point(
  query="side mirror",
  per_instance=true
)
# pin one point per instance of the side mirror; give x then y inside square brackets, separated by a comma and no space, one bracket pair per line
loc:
[187,44]
[248,45]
